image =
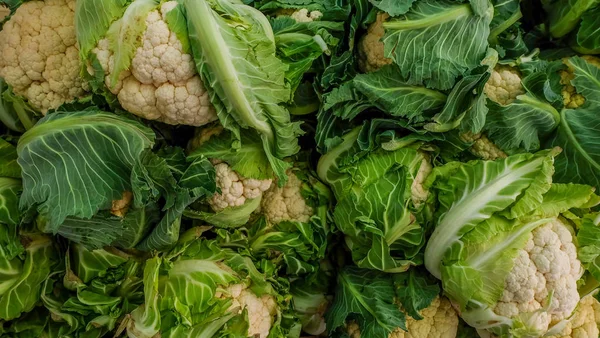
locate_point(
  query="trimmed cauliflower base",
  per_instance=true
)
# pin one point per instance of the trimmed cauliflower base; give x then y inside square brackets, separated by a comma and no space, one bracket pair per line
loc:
[286,203]
[439,321]
[163,84]
[260,309]
[572,99]
[39,57]
[235,189]
[585,320]
[371,55]
[547,263]
[504,85]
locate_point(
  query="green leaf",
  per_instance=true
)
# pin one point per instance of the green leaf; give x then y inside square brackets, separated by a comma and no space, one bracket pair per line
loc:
[89,264]
[8,160]
[587,39]
[415,289]
[10,188]
[522,123]
[249,159]
[588,238]
[392,7]
[565,15]
[234,49]
[438,41]
[145,320]
[75,164]
[577,136]
[24,293]
[367,296]
[92,20]
[587,80]
[472,192]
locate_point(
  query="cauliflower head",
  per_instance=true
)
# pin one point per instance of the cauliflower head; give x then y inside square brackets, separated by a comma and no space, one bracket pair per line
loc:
[585,320]
[504,85]
[39,57]
[370,47]
[572,99]
[261,310]
[286,203]
[235,189]
[419,193]
[439,321]
[482,147]
[546,266]
[162,83]
[300,15]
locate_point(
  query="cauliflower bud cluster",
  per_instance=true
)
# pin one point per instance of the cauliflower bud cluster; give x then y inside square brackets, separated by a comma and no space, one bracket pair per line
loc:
[162,83]
[543,282]
[39,56]
[235,189]
[286,203]
[261,310]
[439,321]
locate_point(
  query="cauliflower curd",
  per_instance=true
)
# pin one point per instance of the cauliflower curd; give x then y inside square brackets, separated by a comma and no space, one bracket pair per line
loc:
[162,83]
[39,57]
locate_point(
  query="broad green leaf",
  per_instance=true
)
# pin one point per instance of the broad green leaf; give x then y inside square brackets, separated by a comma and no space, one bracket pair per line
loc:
[587,39]
[437,40]
[234,49]
[8,160]
[10,189]
[89,264]
[588,238]
[472,192]
[392,7]
[577,135]
[92,20]
[415,289]
[145,320]
[522,123]
[24,293]
[506,13]
[565,15]
[587,80]
[75,164]
[367,296]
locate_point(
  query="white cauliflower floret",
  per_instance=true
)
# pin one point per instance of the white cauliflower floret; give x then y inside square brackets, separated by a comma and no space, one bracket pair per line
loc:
[482,147]
[39,57]
[584,322]
[504,85]
[418,192]
[162,83]
[261,310]
[303,15]
[370,48]
[439,321]
[235,189]
[548,263]
[286,203]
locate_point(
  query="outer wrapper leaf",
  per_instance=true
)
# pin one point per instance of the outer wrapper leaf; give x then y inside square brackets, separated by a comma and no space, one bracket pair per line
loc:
[75,164]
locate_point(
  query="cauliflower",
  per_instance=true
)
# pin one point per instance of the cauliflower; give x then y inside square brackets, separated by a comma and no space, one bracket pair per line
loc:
[299,15]
[39,57]
[439,321]
[548,263]
[504,85]
[162,83]
[202,135]
[572,99]
[235,189]
[585,320]
[482,147]
[286,203]
[119,207]
[261,310]
[370,48]
[418,192]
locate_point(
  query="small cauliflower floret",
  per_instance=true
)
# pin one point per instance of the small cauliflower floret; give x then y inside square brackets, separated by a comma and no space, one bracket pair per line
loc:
[370,48]
[303,15]
[439,321]
[120,207]
[548,263]
[39,57]
[585,320]
[261,310]
[235,189]
[504,85]
[286,203]
[482,147]
[162,83]
[418,192]
[572,99]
